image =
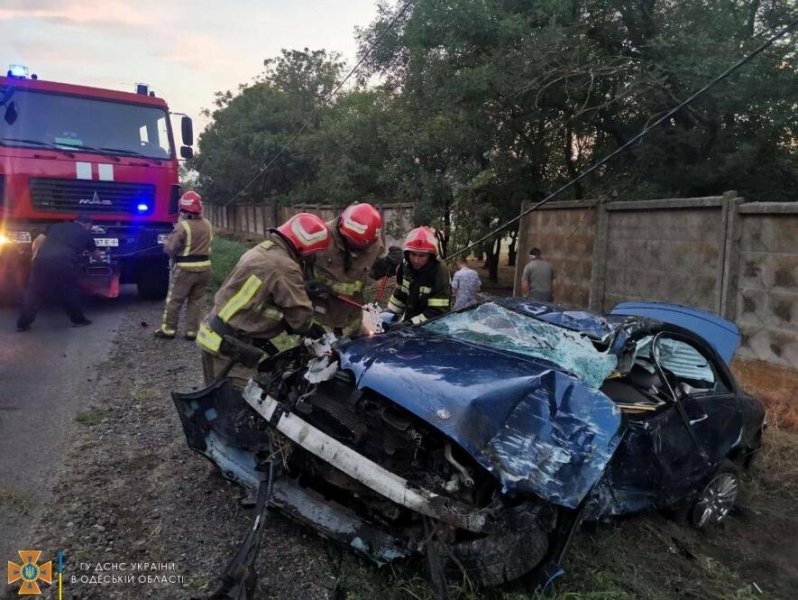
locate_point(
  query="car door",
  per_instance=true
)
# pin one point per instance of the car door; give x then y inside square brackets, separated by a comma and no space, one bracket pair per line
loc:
[705,422]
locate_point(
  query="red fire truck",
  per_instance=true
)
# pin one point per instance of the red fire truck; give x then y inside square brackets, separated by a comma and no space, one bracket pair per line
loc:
[66,149]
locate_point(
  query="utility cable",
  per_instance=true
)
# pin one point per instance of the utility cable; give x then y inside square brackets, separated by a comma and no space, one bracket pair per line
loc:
[636,138]
[324,102]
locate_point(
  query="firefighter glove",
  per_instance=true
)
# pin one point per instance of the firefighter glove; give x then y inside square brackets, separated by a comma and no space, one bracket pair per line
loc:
[315,332]
[394,256]
[318,290]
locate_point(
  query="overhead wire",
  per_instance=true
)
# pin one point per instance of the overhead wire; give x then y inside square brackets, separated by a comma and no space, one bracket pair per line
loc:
[324,102]
[745,59]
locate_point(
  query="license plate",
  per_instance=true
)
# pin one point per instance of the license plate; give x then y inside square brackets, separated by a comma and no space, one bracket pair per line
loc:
[106,242]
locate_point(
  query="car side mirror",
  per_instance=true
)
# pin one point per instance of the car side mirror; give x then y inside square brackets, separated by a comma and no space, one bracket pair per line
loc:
[186,152]
[11,113]
[187,131]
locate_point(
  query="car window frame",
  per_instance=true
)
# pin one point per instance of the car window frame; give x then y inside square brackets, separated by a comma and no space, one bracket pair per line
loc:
[716,364]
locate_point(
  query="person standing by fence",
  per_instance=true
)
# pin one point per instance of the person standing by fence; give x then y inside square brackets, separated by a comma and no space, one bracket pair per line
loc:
[536,280]
[465,284]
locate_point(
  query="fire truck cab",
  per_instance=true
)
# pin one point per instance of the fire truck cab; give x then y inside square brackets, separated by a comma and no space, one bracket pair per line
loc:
[67,149]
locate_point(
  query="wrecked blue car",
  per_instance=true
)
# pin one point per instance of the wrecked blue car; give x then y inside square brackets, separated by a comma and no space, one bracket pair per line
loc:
[483,438]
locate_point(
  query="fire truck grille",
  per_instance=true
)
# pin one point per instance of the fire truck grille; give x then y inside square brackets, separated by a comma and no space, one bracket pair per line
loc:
[74,195]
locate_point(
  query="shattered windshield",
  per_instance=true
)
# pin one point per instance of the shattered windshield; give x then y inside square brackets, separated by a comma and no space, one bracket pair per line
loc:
[497,327]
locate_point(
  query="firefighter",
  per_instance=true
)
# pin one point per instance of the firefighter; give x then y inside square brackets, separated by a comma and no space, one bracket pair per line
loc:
[422,281]
[189,246]
[262,296]
[344,268]
[54,273]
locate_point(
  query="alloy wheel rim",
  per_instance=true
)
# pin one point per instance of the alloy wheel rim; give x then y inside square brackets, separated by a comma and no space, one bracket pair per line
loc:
[717,500]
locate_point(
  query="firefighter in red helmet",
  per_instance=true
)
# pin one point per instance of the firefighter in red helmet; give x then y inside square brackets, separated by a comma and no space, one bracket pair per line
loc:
[422,281]
[262,296]
[356,252]
[189,246]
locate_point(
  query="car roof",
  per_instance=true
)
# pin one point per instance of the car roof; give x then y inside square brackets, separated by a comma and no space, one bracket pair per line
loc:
[722,335]
[594,325]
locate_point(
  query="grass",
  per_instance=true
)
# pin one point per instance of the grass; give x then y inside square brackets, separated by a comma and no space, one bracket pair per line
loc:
[143,394]
[91,417]
[225,255]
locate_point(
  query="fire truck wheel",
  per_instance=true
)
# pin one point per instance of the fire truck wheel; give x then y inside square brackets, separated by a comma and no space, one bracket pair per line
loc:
[153,281]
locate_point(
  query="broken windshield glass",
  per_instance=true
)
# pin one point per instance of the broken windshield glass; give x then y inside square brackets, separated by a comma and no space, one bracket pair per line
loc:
[495,326]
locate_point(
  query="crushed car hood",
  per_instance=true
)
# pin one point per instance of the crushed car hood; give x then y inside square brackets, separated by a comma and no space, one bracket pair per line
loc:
[537,429]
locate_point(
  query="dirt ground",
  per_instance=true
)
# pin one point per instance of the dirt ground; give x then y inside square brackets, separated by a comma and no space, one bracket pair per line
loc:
[130,493]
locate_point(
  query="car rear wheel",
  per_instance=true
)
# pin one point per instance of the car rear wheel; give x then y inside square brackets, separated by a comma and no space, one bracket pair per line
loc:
[717,498]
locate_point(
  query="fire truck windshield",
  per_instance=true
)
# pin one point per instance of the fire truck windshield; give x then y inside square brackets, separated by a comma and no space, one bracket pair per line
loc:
[87,125]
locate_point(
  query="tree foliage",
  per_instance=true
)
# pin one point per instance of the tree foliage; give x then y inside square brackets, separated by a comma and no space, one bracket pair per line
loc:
[484,104]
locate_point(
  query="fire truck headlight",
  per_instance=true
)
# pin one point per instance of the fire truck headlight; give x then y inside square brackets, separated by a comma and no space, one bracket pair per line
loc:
[142,208]
[19,237]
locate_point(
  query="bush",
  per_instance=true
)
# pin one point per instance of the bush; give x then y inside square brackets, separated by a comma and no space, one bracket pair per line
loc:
[224,254]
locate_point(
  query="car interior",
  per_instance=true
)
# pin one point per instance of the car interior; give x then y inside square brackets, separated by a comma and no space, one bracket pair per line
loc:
[641,390]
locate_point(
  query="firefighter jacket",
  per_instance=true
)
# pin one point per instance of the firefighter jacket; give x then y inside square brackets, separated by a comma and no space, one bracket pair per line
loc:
[263,296]
[421,294]
[346,273]
[189,244]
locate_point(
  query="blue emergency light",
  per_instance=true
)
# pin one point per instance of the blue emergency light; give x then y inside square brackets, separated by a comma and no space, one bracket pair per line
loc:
[18,71]
[142,208]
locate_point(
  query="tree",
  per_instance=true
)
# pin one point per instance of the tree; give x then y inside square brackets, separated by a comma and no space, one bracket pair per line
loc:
[251,129]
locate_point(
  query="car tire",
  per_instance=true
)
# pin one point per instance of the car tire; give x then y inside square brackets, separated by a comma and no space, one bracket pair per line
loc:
[152,280]
[499,559]
[717,497]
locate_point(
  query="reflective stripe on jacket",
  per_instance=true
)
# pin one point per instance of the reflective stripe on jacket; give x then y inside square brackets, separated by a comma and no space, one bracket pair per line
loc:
[330,268]
[423,294]
[262,296]
[190,244]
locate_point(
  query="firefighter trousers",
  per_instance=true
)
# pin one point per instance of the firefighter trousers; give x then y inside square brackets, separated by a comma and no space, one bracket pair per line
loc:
[213,366]
[185,286]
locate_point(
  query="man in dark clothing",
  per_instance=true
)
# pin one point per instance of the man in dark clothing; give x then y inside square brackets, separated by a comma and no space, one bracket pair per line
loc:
[55,271]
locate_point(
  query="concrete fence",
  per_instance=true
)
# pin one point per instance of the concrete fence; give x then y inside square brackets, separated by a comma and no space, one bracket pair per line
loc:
[720,254]
[254,219]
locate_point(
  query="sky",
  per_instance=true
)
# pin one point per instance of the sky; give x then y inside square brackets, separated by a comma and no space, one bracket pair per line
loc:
[185,50]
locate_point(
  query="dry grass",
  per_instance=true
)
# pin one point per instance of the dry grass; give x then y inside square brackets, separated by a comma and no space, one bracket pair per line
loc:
[781,413]
[779,458]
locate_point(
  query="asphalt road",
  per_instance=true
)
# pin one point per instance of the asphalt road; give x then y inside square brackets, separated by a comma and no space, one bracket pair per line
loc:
[46,379]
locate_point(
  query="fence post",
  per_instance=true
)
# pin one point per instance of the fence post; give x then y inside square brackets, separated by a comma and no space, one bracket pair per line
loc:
[730,265]
[598,271]
[522,246]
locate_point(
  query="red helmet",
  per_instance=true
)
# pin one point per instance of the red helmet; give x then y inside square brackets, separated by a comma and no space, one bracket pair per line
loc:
[191,202]
[306,232]
[360,224]
[422,239]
